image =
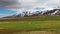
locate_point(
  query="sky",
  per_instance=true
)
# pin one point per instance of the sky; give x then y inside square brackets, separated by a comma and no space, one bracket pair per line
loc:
[39,3]
[4,12]
[28,4]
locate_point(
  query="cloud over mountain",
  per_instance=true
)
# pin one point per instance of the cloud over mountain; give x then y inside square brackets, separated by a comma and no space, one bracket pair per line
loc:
[14,4]
[28,4]
[40,3]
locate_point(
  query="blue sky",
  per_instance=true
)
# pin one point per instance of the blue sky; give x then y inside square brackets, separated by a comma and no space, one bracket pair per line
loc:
[5,12]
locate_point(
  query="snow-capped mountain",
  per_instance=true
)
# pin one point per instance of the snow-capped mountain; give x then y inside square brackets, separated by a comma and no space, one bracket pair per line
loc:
[38,12]
[23,11]
[45,12]
[51,12]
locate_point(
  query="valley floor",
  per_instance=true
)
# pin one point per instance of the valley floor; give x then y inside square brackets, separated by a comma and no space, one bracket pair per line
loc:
[31,25]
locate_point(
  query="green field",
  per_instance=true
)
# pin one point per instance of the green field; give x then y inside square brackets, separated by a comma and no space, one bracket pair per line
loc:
[30,23]
[26,25]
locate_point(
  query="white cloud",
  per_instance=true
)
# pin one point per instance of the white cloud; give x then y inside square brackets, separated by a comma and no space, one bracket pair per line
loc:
[52,3]
[40,3]
[28,4]
[14,4]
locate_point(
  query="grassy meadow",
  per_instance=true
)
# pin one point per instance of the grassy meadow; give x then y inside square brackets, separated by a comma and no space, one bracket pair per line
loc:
[28,24]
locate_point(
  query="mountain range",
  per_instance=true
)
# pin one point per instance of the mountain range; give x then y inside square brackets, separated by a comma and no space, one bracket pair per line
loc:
[37,12]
